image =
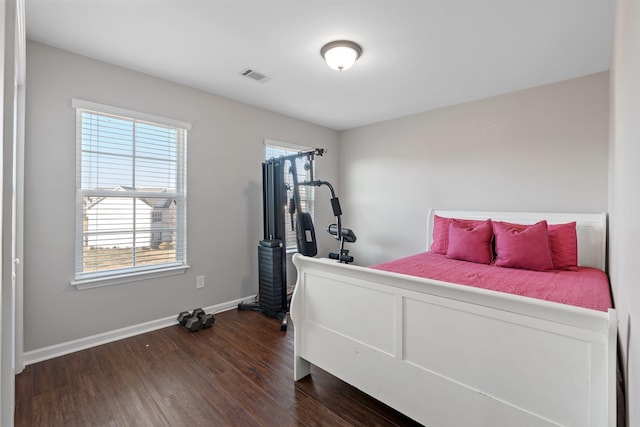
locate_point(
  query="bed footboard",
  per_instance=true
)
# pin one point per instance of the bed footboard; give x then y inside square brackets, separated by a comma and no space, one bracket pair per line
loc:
[450,355]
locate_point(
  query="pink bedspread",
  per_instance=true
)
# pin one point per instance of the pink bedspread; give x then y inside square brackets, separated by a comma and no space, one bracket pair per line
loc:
[587,287]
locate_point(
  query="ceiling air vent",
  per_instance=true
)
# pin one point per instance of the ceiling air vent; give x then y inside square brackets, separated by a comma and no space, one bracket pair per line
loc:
[252,74]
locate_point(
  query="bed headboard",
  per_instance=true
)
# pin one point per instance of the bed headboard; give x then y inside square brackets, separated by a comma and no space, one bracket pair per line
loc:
[590,228]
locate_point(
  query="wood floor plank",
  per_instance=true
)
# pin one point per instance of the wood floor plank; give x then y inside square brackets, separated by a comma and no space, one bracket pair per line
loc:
[95,399]
[54,408]
[312,412]
[24,408]
[140,406]
[167,377]
[206,373]
[237,373]
[49,376]
[81,361]
[188,408]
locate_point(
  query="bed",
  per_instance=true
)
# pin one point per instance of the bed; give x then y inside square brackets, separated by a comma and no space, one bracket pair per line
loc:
[447,354]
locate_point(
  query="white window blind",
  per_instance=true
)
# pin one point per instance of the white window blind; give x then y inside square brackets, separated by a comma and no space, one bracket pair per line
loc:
[130,192]
[273,149]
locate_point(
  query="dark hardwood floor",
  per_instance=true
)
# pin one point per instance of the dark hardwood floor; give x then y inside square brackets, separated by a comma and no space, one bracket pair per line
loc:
[239,372]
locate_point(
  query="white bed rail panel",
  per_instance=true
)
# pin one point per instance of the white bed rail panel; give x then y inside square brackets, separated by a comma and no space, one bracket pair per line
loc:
[450,355]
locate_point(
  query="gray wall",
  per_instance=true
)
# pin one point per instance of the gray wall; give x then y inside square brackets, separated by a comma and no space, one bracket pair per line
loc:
[225,150]
[540,149]
[624,194]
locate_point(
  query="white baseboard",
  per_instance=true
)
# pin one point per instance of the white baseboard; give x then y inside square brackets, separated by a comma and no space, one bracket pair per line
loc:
[61,349]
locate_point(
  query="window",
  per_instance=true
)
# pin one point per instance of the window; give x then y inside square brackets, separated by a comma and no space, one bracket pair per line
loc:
[130,194]
[307,193]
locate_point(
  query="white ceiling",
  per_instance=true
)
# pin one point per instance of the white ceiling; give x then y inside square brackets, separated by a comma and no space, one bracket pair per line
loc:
[419,55]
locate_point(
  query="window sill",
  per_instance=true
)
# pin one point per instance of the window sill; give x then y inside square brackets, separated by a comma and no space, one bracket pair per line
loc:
[97,282]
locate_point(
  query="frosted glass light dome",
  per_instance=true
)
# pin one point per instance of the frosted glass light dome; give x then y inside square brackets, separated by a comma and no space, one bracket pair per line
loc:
[341,54]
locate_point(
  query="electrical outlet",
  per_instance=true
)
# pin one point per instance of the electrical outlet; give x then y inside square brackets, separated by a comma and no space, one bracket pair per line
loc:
[200,282]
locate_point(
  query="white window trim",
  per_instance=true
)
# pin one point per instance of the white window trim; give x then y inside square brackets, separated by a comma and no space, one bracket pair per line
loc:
[99,280]
[130,114]
[278,143]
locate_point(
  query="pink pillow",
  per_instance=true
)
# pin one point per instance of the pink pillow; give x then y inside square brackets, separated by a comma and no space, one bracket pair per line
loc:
[564,245]
[522,246]
[441,225]
[470,243]
[440,235]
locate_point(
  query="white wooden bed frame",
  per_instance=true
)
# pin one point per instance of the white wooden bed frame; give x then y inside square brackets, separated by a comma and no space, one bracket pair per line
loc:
[453,355]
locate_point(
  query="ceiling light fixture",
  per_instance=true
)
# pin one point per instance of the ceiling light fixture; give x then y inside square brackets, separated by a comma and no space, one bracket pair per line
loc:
[341,54]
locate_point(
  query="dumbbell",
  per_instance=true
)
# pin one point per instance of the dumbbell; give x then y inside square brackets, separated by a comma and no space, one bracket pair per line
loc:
[206,321]
[184,316]
[191,320]
[196,320]
[193,323]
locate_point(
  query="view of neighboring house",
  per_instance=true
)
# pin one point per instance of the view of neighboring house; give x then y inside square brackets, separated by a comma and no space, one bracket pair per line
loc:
[108,221]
